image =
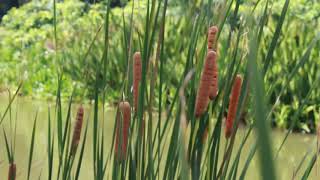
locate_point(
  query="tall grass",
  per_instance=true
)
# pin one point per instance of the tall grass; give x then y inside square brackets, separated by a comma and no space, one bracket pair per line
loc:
[165,140]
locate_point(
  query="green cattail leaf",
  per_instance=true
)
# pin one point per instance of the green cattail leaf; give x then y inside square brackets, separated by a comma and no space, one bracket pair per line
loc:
[260,114]
[310,166]
[32,145]
[10,103]
[275,37]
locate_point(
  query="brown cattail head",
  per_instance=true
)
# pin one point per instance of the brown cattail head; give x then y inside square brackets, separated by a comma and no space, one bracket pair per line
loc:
[202,99]
[212,46]
[212,38]
[122,130]
[77,130]
[12,171]
[214,83]
[233,104]
[137,72]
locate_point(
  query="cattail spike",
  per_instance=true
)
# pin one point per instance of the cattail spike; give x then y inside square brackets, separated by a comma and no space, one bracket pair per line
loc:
[202,99]
[77,130]
[212,46]
[137,72]
[12,171]
[214,83]
[212,33]
[233,104]
[122,130]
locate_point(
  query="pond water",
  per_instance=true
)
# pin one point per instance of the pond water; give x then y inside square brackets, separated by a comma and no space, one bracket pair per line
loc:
[24,111]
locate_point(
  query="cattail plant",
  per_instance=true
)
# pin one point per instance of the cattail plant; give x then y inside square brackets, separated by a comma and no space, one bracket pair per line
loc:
[122,130]
[213,91]
[212,46]
[137,69]
[202,98]
[12,171]
[233,103]
[77,130]
[212,38]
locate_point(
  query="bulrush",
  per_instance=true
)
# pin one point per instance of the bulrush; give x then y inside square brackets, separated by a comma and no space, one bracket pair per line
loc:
[122,130]
[137,68]
[212,33]
[12,171]
[77,130]
[213,91]
[212,46]
[233,104]
[202,99]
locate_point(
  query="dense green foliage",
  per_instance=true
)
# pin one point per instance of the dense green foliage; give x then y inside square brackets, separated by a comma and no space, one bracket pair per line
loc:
[27,49]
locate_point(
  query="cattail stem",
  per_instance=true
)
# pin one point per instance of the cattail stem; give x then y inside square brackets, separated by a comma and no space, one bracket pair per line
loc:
[122,130]
[205,135]
[233,104]
[12,171]
[137,72]
[207,75]
[77,131]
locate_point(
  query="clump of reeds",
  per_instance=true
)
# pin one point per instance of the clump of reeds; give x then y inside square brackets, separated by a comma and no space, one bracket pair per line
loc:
[207,77]
[137,71]
[77,130]
[122,130]
[12,171]
[233,104]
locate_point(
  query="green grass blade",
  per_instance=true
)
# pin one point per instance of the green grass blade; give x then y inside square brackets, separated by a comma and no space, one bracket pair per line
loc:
[32,145]
[276,36]
[10,103]
[267,167]
[248,161]
[304,158]
[50,147]
[9,153]
[67,122]
[310,167]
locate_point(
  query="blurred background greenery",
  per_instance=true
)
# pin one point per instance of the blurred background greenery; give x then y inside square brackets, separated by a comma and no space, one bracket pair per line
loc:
[27,49]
